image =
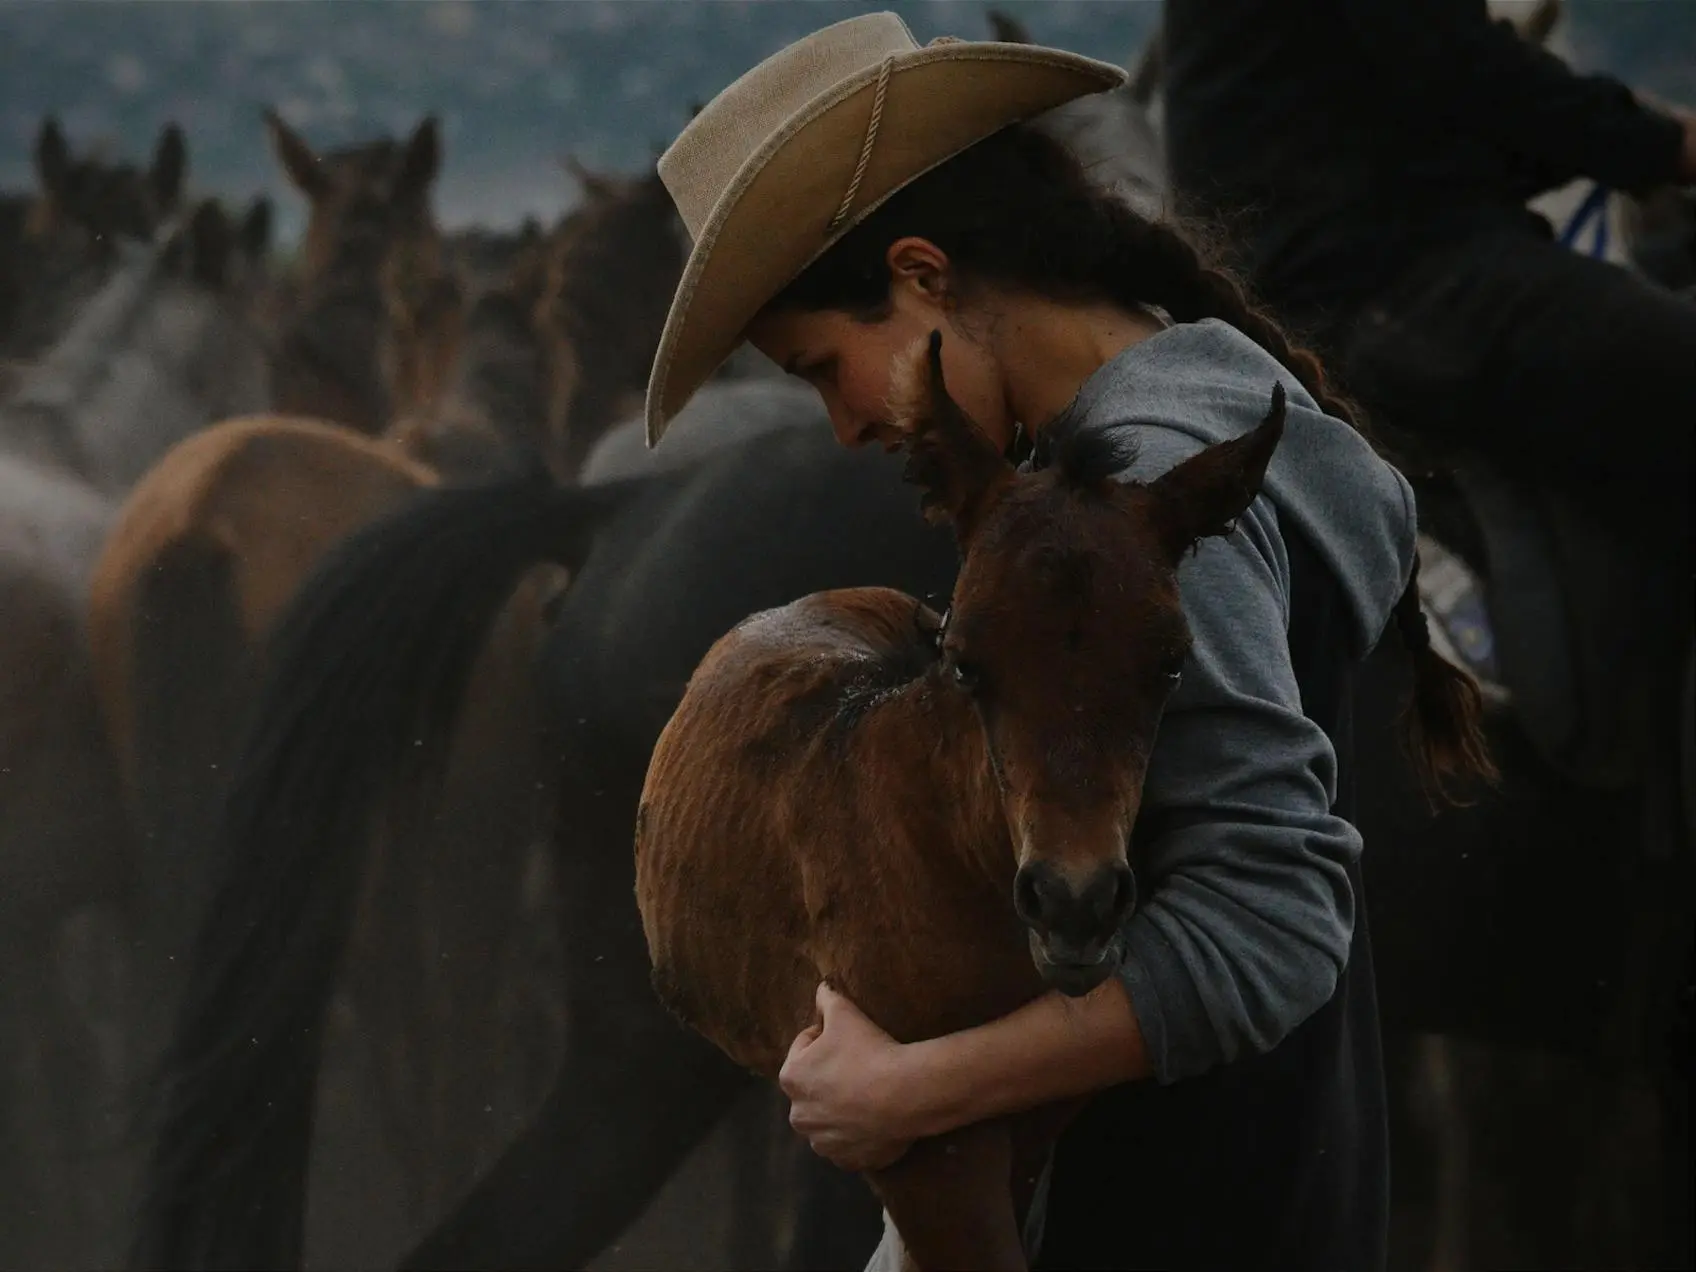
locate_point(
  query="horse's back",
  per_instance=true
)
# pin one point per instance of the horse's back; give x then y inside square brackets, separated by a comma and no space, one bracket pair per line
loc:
[720,415]
[255,484]
[797,825]
[195,360]
[733,781]
[767,520]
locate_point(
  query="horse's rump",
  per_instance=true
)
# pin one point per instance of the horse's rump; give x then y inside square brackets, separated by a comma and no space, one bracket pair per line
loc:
[265,494]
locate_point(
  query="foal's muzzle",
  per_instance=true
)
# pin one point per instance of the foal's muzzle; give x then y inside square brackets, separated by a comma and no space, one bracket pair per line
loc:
[1074,920]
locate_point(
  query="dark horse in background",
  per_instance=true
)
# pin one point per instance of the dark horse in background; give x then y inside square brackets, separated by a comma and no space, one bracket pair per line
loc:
[1551,915]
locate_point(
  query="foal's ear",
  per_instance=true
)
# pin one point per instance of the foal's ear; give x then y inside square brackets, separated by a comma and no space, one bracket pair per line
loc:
[1206,493]
[947,454]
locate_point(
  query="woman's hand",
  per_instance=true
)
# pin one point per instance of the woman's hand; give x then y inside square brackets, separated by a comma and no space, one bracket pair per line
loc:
[842,1078]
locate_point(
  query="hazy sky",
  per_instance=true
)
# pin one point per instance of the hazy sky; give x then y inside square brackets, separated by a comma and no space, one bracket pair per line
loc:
[519,84]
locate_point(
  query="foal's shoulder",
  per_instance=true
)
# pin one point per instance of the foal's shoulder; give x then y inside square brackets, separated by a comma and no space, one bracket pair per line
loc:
[818,659]
[848,623]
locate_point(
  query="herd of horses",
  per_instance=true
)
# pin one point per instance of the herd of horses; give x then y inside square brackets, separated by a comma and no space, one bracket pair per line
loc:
[345,610]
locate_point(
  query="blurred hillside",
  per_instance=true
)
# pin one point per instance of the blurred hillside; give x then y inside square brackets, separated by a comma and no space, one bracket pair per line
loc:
[519,83]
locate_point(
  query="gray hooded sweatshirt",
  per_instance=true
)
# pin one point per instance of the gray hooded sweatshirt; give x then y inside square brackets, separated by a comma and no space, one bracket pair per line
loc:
[1247,924]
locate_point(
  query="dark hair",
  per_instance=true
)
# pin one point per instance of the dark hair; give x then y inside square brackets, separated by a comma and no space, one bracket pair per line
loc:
[1018,211]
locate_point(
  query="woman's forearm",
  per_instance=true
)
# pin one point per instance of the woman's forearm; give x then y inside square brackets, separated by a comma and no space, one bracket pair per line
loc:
[1053,1048]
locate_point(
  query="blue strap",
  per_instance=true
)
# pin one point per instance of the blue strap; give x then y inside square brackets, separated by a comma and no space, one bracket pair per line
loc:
[1594,208]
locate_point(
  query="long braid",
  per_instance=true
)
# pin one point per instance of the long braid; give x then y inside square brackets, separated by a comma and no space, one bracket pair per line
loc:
[1442,719]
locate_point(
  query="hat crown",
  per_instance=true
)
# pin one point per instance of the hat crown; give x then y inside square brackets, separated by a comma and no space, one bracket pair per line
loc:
[701,164]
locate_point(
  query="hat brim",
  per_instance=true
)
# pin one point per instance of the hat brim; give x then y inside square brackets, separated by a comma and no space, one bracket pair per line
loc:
[773,219]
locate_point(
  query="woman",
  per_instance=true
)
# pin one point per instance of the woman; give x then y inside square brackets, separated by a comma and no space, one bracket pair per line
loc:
[846,197]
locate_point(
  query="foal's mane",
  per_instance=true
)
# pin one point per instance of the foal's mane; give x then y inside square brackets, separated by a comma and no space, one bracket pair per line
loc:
[835,704]
[1084,458]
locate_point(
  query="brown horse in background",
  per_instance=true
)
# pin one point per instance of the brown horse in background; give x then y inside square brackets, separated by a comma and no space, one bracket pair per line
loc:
[370,211]
[612,279]
[211,547]
[865,760]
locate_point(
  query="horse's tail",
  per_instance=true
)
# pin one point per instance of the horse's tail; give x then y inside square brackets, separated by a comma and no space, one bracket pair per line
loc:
[363,679]
[187,674]
[179,668]
[1443,721]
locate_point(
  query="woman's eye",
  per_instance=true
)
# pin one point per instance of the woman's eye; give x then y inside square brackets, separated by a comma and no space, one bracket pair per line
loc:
[819,374]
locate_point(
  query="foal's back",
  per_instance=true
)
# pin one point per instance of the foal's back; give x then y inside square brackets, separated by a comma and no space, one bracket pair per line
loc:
[807,816]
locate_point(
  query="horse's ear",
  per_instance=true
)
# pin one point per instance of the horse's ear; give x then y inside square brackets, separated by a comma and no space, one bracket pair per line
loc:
[595,187]
[170,166]
[948,455]
[1006,28]
[421,161]
[1540,23]
[212,239]
[1206,493]
[1148,74]
[52,156]
[300,162]
[255,233]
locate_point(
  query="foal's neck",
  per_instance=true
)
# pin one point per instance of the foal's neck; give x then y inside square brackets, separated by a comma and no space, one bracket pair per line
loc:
[961,778]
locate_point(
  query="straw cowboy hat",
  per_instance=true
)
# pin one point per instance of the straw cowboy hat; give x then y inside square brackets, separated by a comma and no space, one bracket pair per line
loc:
[803,147]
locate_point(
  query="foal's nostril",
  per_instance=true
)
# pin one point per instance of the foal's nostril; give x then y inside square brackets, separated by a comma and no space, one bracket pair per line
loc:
[1028,896]
[1052,904]
[1124,892]
[1108,897]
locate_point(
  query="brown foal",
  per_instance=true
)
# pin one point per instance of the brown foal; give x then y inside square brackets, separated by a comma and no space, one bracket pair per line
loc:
[933,814]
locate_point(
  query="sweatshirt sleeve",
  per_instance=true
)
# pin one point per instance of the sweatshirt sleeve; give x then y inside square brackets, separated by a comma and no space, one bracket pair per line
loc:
[1445,58]
[1246,927]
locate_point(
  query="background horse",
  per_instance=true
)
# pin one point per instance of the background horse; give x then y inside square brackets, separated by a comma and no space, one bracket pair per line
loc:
[60,244]
[611,281]
[209,549]
[180,349]
[370,209]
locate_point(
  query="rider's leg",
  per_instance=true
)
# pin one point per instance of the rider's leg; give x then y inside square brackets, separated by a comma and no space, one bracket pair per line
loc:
[1552,365]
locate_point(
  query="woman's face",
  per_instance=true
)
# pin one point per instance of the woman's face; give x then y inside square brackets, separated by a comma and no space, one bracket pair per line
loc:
[848,361]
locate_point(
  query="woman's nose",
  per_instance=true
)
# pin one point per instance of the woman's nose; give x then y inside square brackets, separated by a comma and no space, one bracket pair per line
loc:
[851,432]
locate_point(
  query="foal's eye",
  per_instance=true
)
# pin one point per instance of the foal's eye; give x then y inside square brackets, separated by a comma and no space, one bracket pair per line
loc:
[965,674]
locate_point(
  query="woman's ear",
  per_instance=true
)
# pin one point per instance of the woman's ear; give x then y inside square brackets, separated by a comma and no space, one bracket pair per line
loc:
[920,264]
